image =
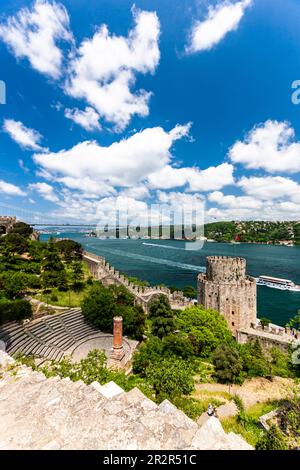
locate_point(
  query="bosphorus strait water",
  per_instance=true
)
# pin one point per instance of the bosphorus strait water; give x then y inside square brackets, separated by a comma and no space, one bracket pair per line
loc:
[168,262]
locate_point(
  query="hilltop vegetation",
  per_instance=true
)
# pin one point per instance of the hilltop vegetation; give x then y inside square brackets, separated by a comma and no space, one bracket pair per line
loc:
[253,231]
[30,267]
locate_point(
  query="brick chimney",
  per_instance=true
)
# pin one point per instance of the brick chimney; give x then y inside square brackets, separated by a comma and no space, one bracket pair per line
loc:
[118,350]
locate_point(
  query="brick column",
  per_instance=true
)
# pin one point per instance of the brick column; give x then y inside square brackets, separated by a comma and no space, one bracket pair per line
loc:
[118,323]
[118,351]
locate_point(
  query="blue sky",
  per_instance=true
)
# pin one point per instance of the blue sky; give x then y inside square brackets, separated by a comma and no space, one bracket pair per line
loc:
[170,102]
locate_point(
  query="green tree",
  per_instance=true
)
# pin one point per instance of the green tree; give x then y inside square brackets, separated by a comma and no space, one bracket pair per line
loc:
[228,364]
[177,345]
[170,377]
[190,292]
[53,270]
[280,362]
[255,363]
[295,321]
[264,322]
[76,273]
[207,329]
[14,310]
[161,316]
[149,352]
[122,295]
[13,283]
[273,439]
[70,249]
[22,229]
[99,306]
[134,321]
[16,243]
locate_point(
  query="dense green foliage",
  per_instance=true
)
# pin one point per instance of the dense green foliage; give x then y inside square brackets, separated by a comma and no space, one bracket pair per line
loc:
[206,329]
[102,304]
[170,377]
[99,307]
[295,321]
[162,317]
[27,266]
[16,310]
[273,439]
[228,364]
[22,229]
[70,249]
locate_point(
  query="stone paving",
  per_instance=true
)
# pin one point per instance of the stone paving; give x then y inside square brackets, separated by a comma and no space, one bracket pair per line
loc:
[54,413]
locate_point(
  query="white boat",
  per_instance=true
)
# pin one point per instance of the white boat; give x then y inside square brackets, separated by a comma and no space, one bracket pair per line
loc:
[277,283]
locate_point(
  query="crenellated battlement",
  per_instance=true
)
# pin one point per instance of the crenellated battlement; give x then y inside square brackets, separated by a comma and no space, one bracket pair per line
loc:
[228,289]
[103,271]
[225,268]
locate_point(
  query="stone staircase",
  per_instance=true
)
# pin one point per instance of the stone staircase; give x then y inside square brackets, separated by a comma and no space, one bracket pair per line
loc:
[55,413]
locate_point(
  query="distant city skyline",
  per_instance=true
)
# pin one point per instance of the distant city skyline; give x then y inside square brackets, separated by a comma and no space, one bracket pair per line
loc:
[127,104]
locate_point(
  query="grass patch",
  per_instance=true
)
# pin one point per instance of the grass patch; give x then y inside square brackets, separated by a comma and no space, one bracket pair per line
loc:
[69,298]
[249,428]
[207,394]
[194,408]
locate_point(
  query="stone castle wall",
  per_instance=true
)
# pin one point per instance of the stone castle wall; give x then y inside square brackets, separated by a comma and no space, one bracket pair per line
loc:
[226,288]
[6,223]
[143,295]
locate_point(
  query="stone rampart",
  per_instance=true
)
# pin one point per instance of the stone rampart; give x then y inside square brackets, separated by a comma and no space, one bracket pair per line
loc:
[107,274]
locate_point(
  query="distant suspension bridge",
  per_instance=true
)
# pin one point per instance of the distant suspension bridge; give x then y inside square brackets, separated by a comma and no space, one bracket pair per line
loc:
[36,218]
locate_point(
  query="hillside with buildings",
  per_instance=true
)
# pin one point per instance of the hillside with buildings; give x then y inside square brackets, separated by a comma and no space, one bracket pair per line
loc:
[286,233]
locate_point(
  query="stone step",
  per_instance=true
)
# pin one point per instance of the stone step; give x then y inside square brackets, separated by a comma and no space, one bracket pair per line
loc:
[55,413]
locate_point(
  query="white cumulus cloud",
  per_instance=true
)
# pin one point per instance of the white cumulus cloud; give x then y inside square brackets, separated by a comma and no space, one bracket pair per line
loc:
[24,136]
[270,146]
[90,167]
[10,189]
[231,201]
[45,190]
[88,119]
[104,67]
[220,20]
[271,188]
[209,179]
[34,33]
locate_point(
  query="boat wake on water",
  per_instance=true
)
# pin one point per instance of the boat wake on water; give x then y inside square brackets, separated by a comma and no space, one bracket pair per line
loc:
[150,259]
[168,247]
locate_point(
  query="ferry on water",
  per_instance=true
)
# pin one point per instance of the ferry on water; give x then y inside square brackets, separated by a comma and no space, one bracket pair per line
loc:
[277,283]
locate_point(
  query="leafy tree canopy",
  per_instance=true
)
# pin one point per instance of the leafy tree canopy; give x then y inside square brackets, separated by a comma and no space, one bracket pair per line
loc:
[162,317]
[228,364]
[207,329]
[170,377]
[22,229]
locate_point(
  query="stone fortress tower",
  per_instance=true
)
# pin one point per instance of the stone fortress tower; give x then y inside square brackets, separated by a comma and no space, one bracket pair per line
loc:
[226,288]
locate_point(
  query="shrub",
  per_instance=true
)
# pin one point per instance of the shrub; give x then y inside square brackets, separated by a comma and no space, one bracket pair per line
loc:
[207,329]
[99,307]
[228,364]
[53,298]
[149,352]
[170,377]
[273,439]
[14,310]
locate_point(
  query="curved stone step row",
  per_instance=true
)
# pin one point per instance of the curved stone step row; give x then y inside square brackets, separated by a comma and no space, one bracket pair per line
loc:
[50,337]
[40,413]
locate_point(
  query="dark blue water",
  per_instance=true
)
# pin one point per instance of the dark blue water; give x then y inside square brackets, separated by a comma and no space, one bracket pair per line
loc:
[168,262]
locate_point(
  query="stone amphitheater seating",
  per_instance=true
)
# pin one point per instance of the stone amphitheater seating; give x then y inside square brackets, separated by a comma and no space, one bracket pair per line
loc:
[51,337]
[40,413]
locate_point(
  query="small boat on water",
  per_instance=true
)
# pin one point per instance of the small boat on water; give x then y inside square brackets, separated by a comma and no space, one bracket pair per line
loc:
[277,283]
